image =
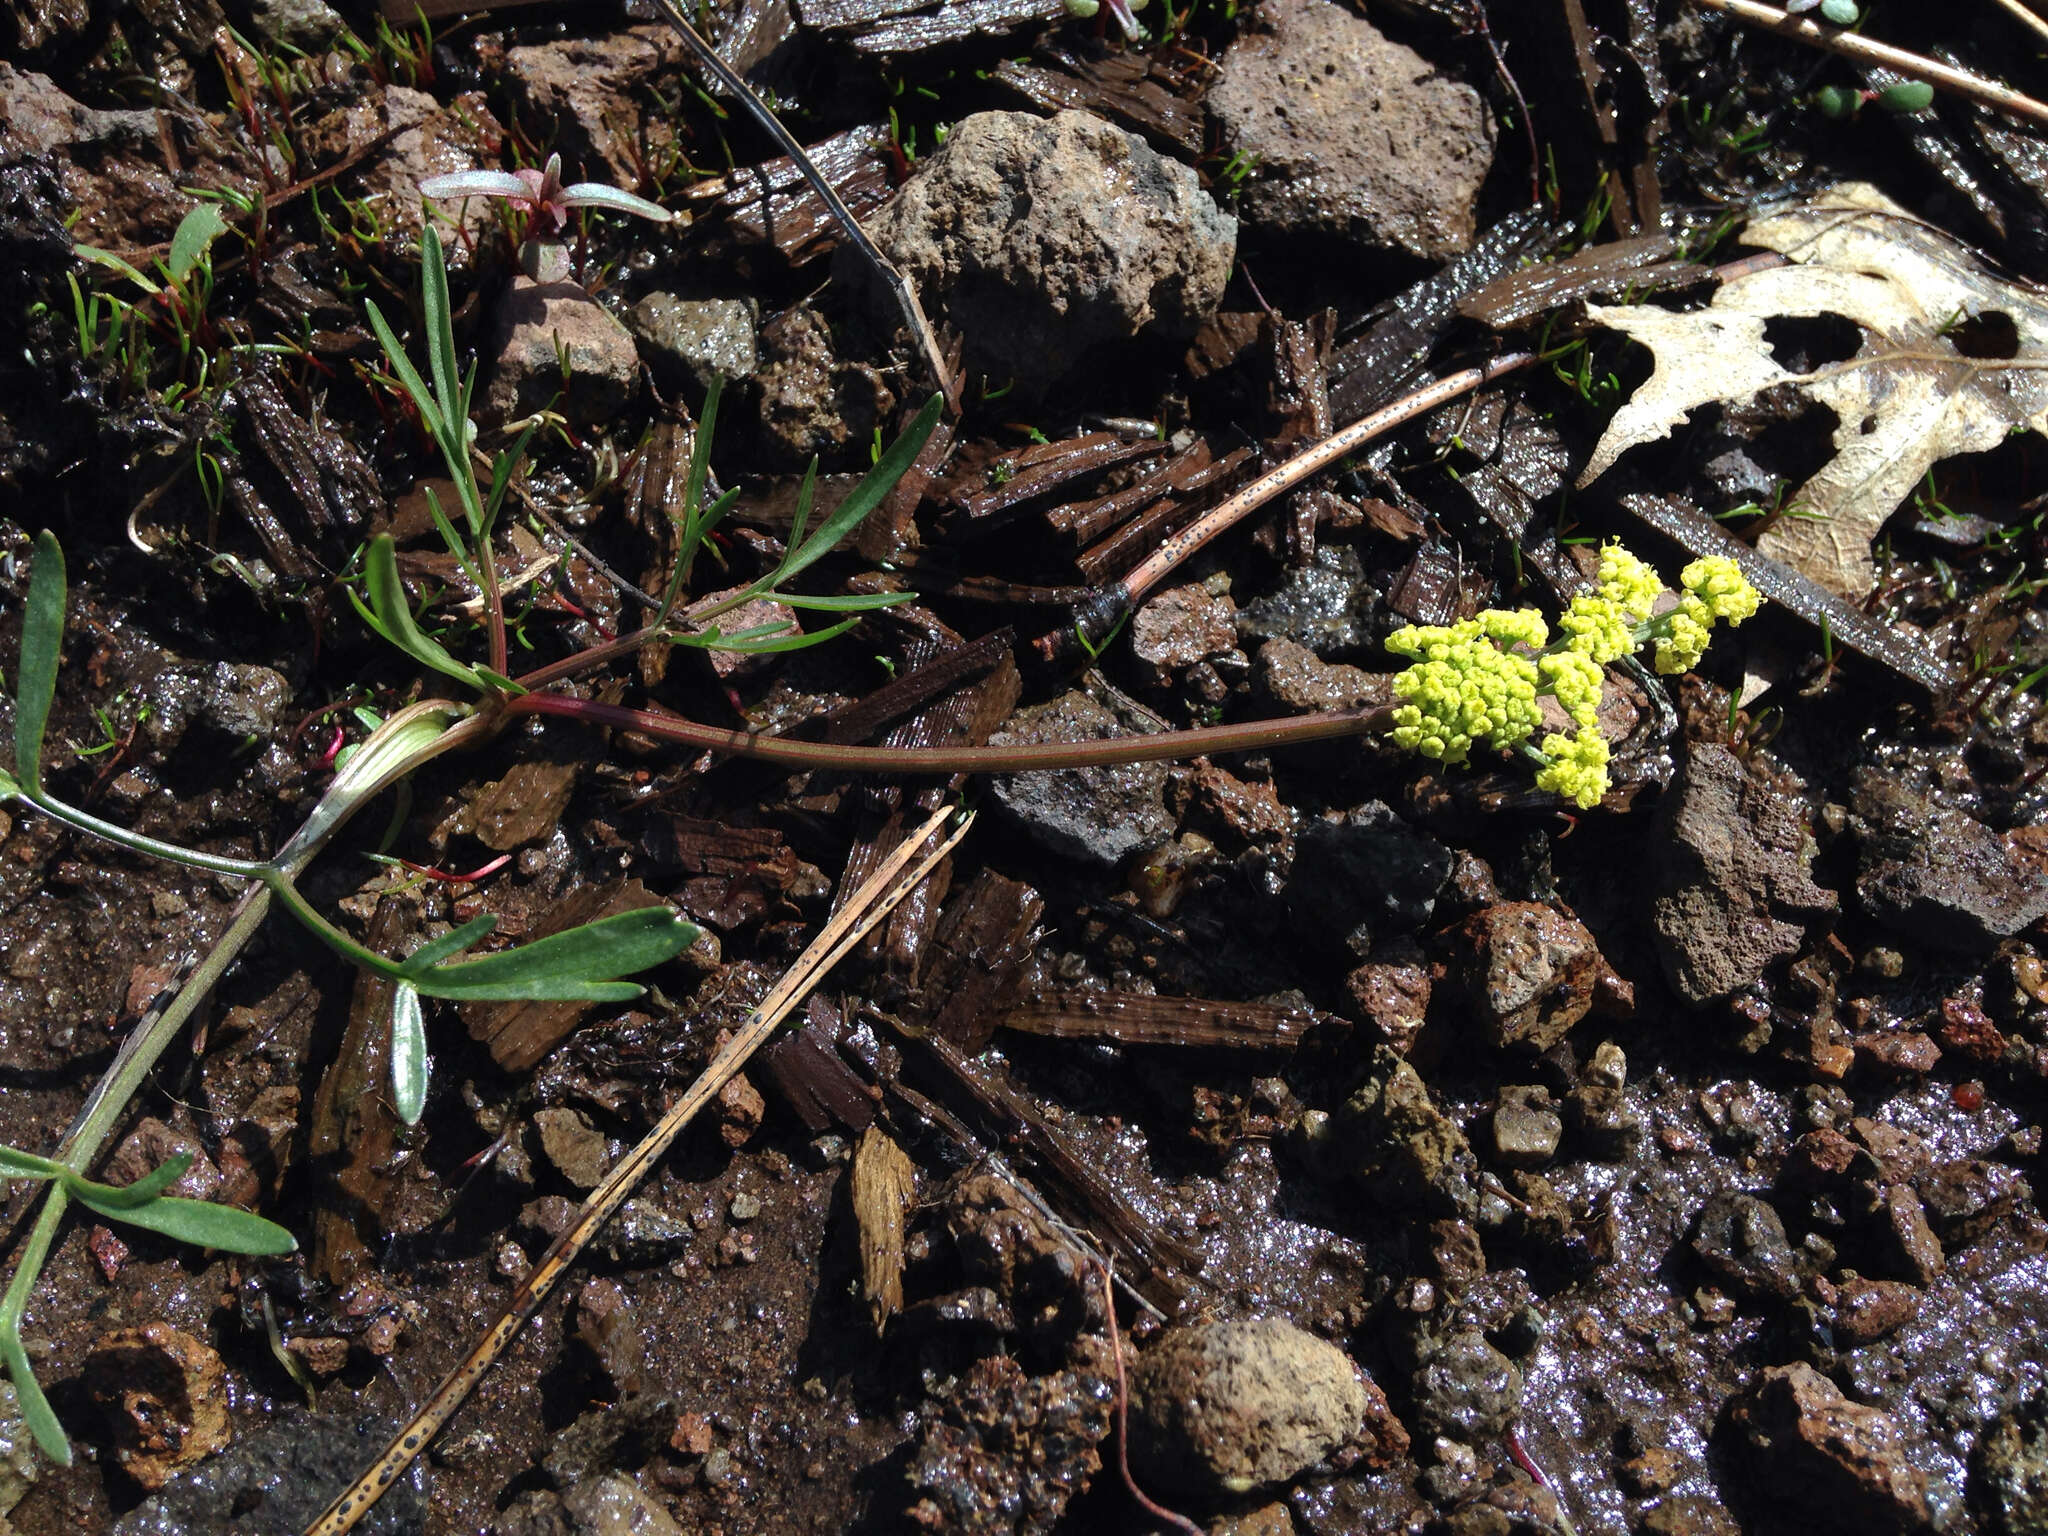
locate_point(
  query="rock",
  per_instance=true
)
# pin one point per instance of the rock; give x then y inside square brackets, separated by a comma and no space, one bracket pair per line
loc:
[1967,1197]
[1006,1452]
[1527,973]
[587,97]
[1896,1052]
[1234,1406]
[1868,1310]
[523,807]
[1466,1390]
[538,327]
[696,339]
[1687,1515]
[1734,890]
[575,1146]
[1602,1116]
[1296,679]
[614,1505]
[1008,1248]
[1841,1462]
[165,1394]
[1365,876]
[811,402]
[1326,606]
[1938,875]
[1181,626]
[111,163]
[1096,816]
[307,25]
[601,1440]
[1742,1240]
[1526,1130]
[1349,134]
[1905,1244]
[275,1481]
[1391,1135]
[2009,1470]
[763,614]
[432,140]
[1393,998]
[1040,239]
[152,1144]
[1247,810]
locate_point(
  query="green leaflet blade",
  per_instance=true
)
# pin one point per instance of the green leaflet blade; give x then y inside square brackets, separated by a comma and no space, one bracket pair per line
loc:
[42,644]
[578,964]
[409,1061]
[201,1223]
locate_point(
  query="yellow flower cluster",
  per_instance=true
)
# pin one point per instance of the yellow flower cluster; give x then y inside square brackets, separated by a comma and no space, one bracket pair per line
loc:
[1463,687]
[1715,588]
[1475,682]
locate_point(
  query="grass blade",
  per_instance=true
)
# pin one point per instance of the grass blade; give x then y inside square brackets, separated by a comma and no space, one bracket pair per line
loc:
[875,485]
[409,376]
[851,602]
[577,964]
[42,645]
[36,1411]
[409,1060]
[438,322]
[201,1223]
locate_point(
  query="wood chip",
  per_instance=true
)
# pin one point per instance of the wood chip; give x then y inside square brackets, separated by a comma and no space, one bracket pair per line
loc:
[883,1185]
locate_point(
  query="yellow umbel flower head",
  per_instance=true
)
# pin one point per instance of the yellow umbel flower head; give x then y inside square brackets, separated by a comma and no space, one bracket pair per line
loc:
[1577,767]
[1464,689]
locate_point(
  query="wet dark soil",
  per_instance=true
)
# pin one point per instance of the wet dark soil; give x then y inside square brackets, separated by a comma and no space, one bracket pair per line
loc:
[1667,1166]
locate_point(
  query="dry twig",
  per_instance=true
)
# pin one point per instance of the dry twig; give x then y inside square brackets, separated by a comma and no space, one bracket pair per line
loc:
[1864,50]
[878,895]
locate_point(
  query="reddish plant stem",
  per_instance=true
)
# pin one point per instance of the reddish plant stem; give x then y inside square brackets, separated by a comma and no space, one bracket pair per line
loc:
[1123,1438]
[1248,736]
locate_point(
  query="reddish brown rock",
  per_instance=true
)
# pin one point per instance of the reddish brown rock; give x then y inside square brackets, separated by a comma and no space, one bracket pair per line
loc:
[165,1395]
[1842,1462]
[1392,999]
[1527,973]
[1868,1310]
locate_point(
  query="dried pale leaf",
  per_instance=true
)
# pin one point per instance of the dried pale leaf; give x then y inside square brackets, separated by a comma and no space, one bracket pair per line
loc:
[884,1185]
[1909,398]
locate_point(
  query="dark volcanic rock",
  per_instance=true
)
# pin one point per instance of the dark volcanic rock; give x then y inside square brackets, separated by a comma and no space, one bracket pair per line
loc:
[1326,606]
[1742,1240]
[1391,1135]
[1098,816]
[1842,1462]
[1006,1452]
[1039,239]
[1466,1390]
[1937,875]
[1367,870]
[275,1481]
[1734,890]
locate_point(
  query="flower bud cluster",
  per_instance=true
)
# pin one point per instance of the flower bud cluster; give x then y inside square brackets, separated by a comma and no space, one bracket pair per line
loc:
[1477,682]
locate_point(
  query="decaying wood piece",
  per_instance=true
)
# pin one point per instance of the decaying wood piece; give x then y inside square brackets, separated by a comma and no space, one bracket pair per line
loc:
[773,203]
[1137,91]
[982,941]
[884,1186]
[1136,1018]
[911,26]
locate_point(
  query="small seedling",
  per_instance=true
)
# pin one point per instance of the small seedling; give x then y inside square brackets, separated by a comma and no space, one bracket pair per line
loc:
[1840,13]
[1904,97]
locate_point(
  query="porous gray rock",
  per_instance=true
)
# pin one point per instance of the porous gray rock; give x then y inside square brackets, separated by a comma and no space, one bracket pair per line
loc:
[587,97]
[1350,134]
[275,1480]
[2009,1472]
[811,401]
[1466,1390]
[307,25]
[1527,973]
[1735,889]
[539,327]
[697,339]
[1232,1406]
[1042,238]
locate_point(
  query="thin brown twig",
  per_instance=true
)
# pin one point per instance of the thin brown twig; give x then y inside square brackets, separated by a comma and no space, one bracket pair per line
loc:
[1864,50]
[1123,1438]
[878,895]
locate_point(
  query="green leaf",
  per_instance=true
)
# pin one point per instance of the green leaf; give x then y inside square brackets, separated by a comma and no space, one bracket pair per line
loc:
[748,643]
[438,321]
[456,940]
[852,602]
[108,259]
[10,786]
[409,376]
[392,614]
[574,965]
[201,1223]
[696,522]
[36,1411]
[195,233]
[42,644]
[874,487]
[127,1197]
[1906,96]
[806,494]
[409,1062]
[15,1164]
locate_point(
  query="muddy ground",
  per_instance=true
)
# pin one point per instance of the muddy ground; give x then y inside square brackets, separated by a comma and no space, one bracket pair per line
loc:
[1667,1165]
